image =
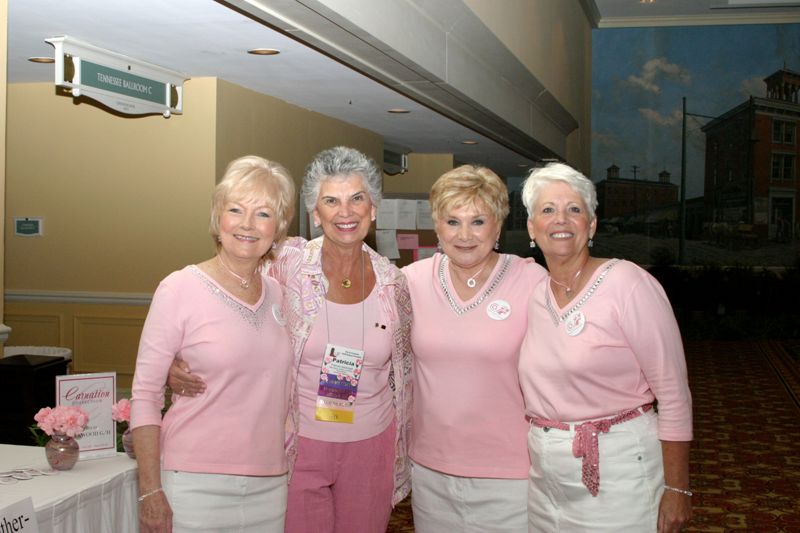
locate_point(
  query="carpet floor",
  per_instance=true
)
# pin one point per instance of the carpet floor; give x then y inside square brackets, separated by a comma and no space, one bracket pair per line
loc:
[745,458]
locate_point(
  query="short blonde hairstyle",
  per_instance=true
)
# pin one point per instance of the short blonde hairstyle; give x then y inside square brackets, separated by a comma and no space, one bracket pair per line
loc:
[469,185]
[257,180]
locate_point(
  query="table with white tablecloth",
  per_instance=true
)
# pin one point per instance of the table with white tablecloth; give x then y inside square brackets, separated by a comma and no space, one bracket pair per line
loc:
[96,496]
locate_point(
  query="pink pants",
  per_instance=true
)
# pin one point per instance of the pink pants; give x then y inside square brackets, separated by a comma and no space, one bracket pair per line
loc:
[342,487]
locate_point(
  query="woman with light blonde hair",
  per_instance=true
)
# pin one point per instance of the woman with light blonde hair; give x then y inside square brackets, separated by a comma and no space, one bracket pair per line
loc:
[224,319]
[470,463]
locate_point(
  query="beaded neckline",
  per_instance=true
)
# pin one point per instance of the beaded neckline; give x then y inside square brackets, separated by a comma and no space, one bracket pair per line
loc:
[459,310]
[585,298]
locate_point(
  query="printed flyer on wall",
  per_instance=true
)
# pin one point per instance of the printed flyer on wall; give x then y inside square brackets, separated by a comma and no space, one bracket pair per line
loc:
[95,394]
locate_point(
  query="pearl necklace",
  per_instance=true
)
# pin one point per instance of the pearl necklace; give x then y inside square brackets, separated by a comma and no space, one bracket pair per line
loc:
[245,283]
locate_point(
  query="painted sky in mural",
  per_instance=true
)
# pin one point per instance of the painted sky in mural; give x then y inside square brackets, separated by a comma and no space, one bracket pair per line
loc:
[639,76]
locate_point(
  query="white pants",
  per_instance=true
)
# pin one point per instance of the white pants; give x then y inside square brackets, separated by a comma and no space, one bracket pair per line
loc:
[443,503]
[220,502]
[631,480]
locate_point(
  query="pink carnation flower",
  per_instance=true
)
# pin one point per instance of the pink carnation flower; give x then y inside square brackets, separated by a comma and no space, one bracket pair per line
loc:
[65,419]
[121,411]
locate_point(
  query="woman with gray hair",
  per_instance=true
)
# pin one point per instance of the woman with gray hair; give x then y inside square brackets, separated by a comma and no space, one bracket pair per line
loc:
[348,313]
[349,316]
[601,348]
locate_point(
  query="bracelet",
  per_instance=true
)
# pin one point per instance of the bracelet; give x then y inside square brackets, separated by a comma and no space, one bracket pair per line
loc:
[145,495]
[681,491]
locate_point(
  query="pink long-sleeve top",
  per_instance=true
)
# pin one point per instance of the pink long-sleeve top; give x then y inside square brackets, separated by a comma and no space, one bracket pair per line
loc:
[241,351]
[468,415]
[629,353]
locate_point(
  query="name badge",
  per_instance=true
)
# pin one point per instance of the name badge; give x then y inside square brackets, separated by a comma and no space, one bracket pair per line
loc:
[338,384]
[277,315]
[498,310]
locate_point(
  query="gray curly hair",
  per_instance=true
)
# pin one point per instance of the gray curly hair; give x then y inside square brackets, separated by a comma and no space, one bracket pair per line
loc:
[340,162]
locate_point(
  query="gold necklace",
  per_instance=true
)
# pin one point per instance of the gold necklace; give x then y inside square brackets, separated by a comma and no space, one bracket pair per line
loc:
[245,283]
[346,283]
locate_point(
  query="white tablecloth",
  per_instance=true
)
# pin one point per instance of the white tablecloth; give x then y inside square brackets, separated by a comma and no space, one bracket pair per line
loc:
[96,496]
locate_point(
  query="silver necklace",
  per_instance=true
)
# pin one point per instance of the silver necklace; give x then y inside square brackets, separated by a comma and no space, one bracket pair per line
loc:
[506,259]
[568,288]
[585,298]
[245,283]
[471,281]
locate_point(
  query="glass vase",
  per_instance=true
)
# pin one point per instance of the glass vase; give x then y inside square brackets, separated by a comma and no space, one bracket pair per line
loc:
[127,443]
[62,451]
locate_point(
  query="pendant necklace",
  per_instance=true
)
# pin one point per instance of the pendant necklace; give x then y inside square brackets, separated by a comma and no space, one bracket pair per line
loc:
[245,283]
[568,288]
[471,281]
[346,283]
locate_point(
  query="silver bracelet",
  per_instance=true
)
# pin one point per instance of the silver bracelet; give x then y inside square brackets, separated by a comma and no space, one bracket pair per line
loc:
[681,491]
[145,495]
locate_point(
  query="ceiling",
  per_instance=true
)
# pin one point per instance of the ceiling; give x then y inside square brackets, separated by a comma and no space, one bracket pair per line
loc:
[202,38]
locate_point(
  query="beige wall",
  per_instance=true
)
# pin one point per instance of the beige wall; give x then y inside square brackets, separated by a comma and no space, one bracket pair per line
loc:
[3,61]
[423,170]
[252,123]
[125,201]
[554,41]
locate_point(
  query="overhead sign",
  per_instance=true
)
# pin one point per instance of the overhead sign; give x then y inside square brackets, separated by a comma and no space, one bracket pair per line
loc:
[124,84]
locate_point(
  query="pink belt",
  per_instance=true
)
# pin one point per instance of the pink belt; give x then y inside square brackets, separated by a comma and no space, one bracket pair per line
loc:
[585,443]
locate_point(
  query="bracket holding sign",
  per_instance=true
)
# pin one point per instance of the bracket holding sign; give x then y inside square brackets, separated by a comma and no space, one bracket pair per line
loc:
[124,84]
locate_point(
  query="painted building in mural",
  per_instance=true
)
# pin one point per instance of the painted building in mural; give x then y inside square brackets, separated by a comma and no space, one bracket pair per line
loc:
[751,162]
[623,197]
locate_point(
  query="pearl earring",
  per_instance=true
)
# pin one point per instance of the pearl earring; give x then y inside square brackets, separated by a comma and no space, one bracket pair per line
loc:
[533,244]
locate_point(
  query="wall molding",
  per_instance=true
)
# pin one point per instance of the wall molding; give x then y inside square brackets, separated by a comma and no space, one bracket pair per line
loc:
[68,297]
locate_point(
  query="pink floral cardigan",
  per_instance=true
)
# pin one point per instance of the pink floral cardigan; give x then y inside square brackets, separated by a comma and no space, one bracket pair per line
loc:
[299,270]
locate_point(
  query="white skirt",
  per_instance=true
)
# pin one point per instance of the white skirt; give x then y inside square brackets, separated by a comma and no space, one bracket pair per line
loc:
[220,502]
[631,480]
[441,502]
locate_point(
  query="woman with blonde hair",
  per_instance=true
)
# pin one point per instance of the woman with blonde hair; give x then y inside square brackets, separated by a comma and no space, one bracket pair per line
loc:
[216,462]
[469,303]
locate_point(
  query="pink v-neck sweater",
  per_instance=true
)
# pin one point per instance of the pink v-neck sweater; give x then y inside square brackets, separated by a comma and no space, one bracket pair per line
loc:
[468,413]
[241,351]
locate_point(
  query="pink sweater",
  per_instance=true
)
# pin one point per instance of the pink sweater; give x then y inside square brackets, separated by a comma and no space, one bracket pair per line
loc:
[468,416]
[628,354]
[242,353]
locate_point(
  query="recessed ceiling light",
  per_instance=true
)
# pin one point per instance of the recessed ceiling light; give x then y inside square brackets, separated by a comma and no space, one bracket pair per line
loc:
[469,142]
[264,51]
[399,110]
[522,165]
[41,60]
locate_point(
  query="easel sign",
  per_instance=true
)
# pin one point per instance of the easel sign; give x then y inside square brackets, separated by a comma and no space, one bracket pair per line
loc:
[95,394]
[19,516]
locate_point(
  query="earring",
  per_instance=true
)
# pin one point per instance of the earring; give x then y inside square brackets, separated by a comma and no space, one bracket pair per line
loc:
[590,243]
[273,246]
[316,223]
[439,247]
[497,244]
[533,244]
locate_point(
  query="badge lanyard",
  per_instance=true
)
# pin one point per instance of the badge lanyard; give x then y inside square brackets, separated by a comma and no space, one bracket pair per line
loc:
[340,372]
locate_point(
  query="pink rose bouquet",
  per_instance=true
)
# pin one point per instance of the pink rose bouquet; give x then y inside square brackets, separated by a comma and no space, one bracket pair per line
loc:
[65,419]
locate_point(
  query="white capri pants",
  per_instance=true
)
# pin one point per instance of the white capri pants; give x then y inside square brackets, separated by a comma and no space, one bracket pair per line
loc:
[631,480]
[221,502]
[444,503]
